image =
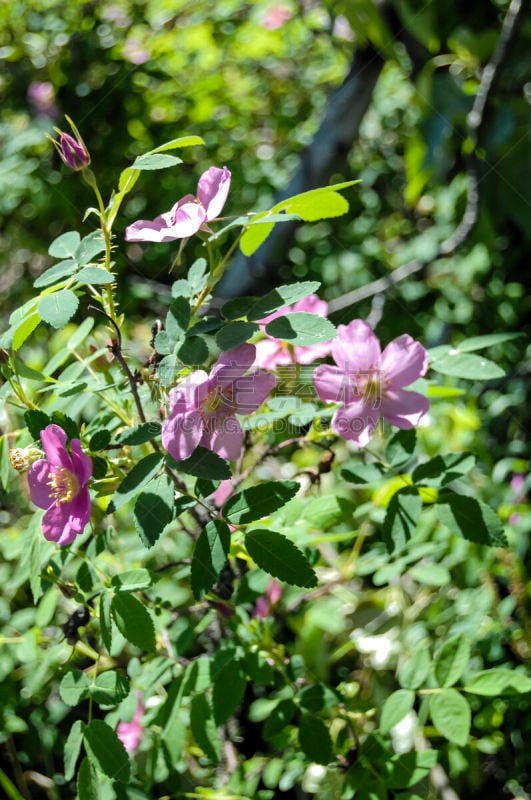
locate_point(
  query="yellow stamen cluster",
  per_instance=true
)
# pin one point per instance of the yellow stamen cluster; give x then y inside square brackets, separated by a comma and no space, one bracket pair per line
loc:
[369,386]
[217,398]
[64,486]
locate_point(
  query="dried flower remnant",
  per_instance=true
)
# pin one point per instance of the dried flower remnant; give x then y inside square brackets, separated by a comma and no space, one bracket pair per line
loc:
[22,458]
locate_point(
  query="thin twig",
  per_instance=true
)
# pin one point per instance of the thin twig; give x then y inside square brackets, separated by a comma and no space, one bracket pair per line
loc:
[475,122]
[116,350]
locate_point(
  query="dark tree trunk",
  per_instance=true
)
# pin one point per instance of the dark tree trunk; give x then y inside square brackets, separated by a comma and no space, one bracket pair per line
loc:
[318,162]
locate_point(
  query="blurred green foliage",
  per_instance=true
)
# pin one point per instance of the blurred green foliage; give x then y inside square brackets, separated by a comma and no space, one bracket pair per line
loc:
[134,74]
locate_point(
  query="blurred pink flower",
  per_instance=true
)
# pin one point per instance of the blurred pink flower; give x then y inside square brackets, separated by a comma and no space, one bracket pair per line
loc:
[115,13]
[271,352]
[518,490]
[130,733]
[203,407]
[517,485]
[41,96]
[134,51]
[189,214]
[276,16]
[223,492]
[58,484]
[268,600]
[370,383]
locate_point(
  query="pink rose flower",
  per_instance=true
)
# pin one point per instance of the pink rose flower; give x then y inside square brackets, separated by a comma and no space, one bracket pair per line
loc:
[271,352]
[58,483]
[41,96]
[223,492]
[189,214]
[276,16]
[203,407]
[369,383]
[266,602]
[130,733]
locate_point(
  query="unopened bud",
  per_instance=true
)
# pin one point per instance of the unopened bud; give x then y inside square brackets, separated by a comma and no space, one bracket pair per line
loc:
[74,155]
[72,149]
[22,458]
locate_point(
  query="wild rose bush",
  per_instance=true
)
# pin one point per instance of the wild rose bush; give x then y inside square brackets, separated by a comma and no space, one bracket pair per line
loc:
[241,477]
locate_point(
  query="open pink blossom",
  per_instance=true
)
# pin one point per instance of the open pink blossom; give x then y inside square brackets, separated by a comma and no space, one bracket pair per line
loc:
[130,733]
[189,214]
[203,407]
[369,383]
[58,483]
[272,352]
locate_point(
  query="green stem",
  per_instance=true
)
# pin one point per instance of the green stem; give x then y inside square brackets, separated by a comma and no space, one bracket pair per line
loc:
[91,180]
[19,391]
[216,273]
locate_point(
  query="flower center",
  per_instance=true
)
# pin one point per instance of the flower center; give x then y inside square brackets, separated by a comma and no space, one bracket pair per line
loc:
[213,401]
[64,486]
[369,385]
[217,406]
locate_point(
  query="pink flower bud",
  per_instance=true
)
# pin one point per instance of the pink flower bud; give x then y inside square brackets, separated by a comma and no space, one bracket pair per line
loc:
[73,154]
[72,149]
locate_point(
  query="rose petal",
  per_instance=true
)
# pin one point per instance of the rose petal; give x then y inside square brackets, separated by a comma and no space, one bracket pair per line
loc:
[187,220]
[82,463]
[274,315]
[404,409]
[146,230]
[56,524]
[53,440]
[313,305]
[226,440]
[333,385]
[239,359]
[356,348]
[182,433]
[80,509]
[309,354]
[184,397]
[403,361]
[213,189]
[250,391]
[270,353]
[356,422]
[223,492]
[38,478]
